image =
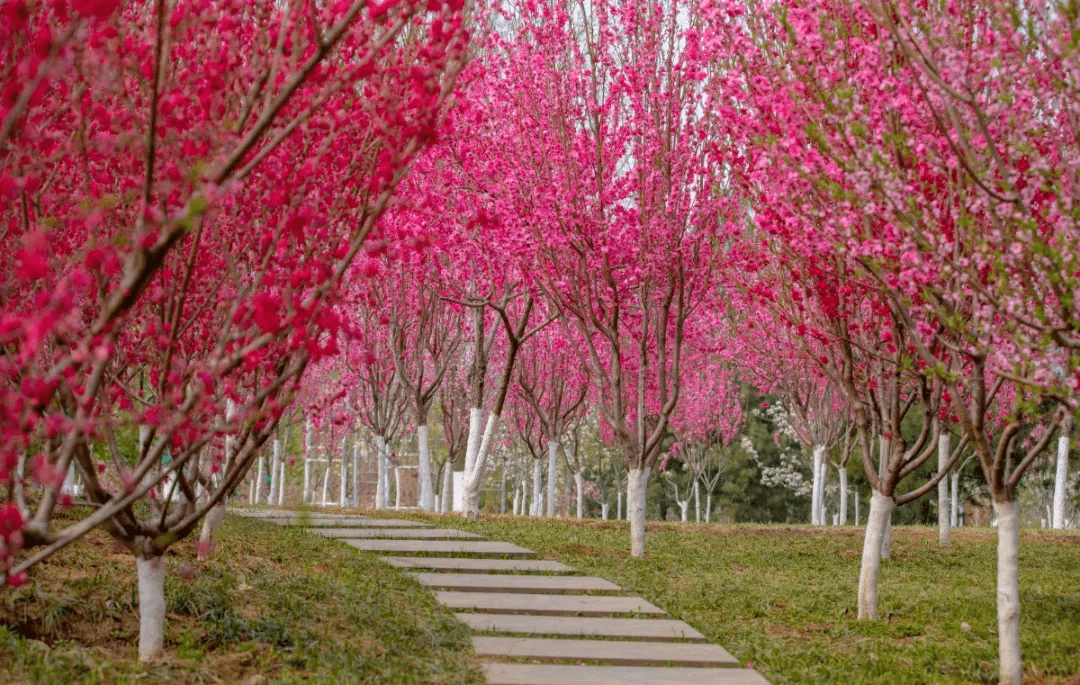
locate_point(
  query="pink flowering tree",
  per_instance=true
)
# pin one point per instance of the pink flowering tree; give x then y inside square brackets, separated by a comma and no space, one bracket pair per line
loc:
[183,187]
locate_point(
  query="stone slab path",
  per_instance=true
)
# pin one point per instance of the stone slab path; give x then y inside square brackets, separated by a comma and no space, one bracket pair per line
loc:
[399,533]
[488,582]
[535,622]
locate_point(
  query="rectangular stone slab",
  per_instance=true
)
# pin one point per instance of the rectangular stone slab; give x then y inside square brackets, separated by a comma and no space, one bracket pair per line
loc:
[349,522]
[554,674]
[547,605]
[486,582]
[640,628]
[399,533]
[439,546]
[616,652]
[489,566]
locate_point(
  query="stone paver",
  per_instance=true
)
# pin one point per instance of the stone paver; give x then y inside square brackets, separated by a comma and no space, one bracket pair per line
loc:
[616,652]
[488,566]
[352,522]
[640,628]
[439,546]
[547,605]
[399,533]
[555,674]
[486,582]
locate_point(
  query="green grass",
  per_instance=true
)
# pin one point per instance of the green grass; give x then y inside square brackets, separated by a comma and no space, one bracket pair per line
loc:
[784,598]
[272,605]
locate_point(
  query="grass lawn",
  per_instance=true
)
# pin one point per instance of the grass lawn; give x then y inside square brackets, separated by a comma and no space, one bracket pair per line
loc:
[271,606]
[784,598]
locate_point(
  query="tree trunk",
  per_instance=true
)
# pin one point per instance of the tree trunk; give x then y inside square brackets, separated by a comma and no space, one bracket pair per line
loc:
[397,487]
[579,485]
[356,473]
[635,510]
[307,482]
[1008,594]
[517,499]
[211,522]
[151,582]
[880,509]
[343,491]
[843,495]
[536,482]
[697,502]
[816,489]
[281,486]
[886,540]
[474,477]
[427,493]
[502,490]
[380,472]
[708,506]
[275,474]
[553,470]
[1061,479]
[954,517]
[618,506]
[944,531]
[447,487]
[472,445]
[326,479]
[684,509]
[604,509]
[259,479]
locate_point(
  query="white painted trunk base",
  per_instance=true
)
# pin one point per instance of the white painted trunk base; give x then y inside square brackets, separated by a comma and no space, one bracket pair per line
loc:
[537,478]
[474,477]
[553,470]
[151,583]
[447,487]
[1008,593]
[954,516]
[427,493]
[880,510]
[380,472]
[579,486]
[843,495]
[817,488]
[944,527]
[697,503]
[1061,480]
[397,487]
[635,506]
[604,509]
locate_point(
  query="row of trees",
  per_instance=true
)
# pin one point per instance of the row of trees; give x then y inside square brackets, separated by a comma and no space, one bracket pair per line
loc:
[211,209]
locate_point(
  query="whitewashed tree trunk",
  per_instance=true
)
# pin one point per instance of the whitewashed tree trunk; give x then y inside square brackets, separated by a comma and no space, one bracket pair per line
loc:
[536,481]
[307,481]
[880,509]
[604,509]
[447,488]
[618,506]
[635,505]
[517,500]
[326,480]
[275,473]
[553,472]
[815,488]
[474,477]
[260,479]
[151,583]
[397,487]
[824,468]
[356,473]
[843,495]
[954,516]
[252,488]
[458,486]
[380,472]
[472,445]
[1008,593]
[886,540]
[697,502]
[281,486]
[1061,480]
[684,509]
[579,485]
[708,507]
[944,530]
[427,493]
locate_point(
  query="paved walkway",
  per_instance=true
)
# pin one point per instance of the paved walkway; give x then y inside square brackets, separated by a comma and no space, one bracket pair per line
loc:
[534,621]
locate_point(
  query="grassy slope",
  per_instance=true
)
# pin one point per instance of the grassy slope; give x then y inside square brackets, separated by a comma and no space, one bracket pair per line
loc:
[784,599]
[271,606]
